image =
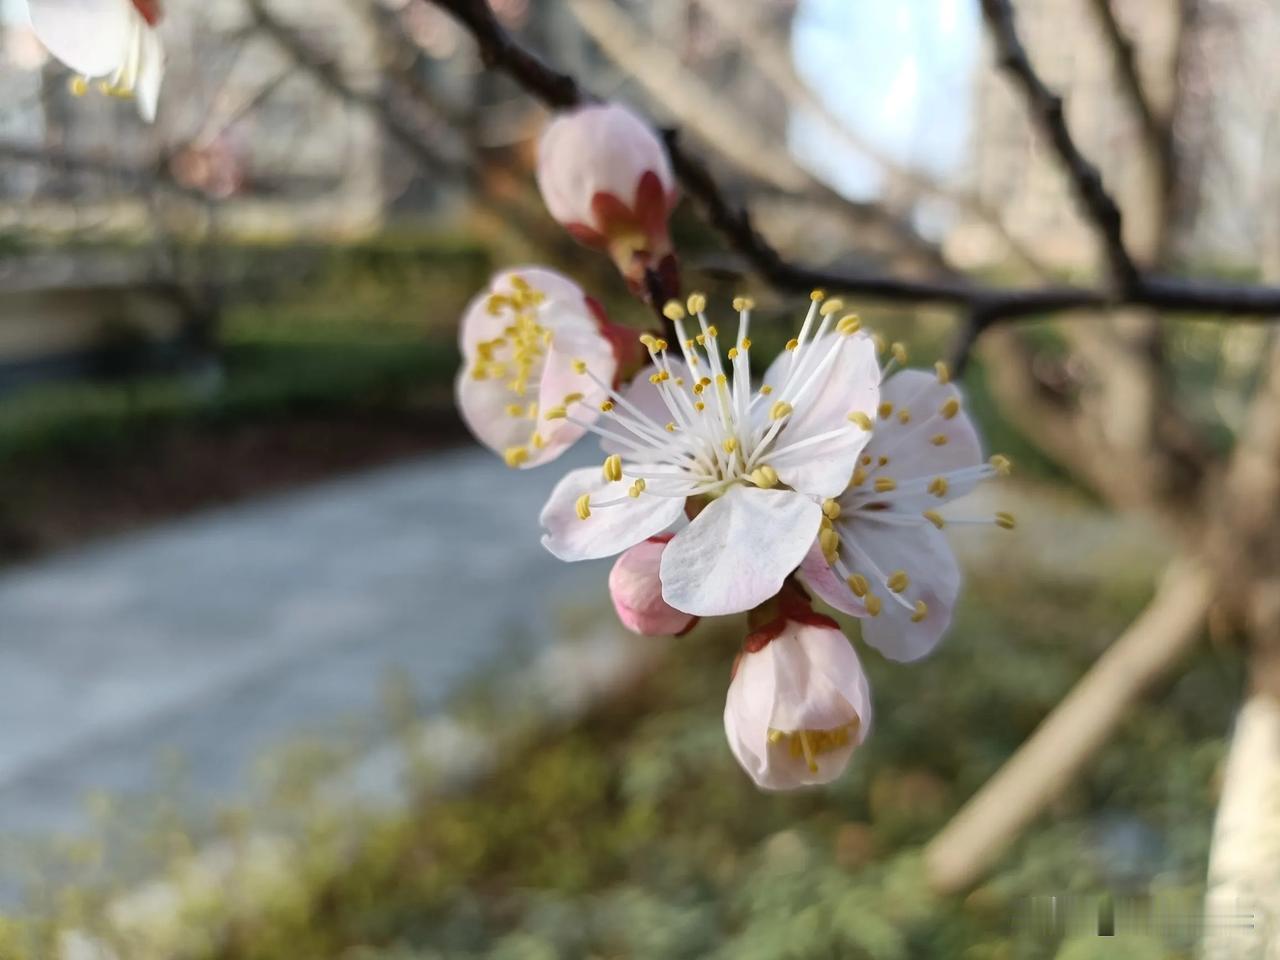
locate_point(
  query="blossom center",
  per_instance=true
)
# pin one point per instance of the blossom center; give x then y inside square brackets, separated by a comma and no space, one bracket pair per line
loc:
[811,744]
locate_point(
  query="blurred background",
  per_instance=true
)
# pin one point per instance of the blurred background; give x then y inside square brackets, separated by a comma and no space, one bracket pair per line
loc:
[284,671]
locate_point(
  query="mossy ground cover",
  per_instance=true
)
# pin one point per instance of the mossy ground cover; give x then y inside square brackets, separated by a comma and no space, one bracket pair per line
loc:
[632,834]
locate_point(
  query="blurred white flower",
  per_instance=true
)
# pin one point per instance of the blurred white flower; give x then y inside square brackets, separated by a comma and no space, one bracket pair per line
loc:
[605,176]
[636,591]
[883,555]
[754,465]
[523,340]
[799,703]
[114,41]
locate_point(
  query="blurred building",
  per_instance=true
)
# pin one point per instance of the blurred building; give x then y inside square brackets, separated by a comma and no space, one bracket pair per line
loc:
[1228,100]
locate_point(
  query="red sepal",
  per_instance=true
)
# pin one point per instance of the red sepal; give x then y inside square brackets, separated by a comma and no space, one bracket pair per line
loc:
[587,236]
[150,10]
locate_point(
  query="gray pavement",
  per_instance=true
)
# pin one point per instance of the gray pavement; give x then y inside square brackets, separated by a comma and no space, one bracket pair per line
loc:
[219,637]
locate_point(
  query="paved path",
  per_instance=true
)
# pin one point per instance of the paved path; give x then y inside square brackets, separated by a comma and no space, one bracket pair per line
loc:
[218,637]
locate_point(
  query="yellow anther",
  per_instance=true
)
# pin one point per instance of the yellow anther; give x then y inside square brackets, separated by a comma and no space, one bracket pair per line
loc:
[766,390]
[79,86]
[922,611]
[701,340]
[696,303]
[861,419]
[764,477]
[898,581]
[649,340]
[613,468]
[849,324]
[636,488]
[950,408]
[698,388]
[679,381]
[690,343]
[829,541]
[873,604]
[579,366]
[721,380]
[943,371]
[743,303]
[532,411]
[817,294]
[699,405]
[673,311]
[705,381]
[606,406]
[520,283]
[934,517]
[583,506]
[671,427]
[659,344]
[882,460]
[904,416]
[831,509]
[793,344]
[885,410]
[655,378]
[1002,464]
[858,584]
[866,460]
[733,353]
[885,484]
[515,410]
[570,398]
[938,439]
[515,455]
[1005,521]
[746,343]
[780,409]
[730,445]
[712,331]
[537,440]
[938,486]
[556,413]
[899,351]
[831,306]
[859,477]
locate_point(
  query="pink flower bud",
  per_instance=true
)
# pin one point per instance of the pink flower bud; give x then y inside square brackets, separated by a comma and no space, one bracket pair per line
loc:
[605,176]
[799,703]
[637,592]
[536,365]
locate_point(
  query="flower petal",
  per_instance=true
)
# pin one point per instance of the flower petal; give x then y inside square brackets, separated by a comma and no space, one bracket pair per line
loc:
[564,305]
[819,577]
[89,36]
[608,530]
[923,552]
[929,444]
[850,383]
[150,73]
[648,399]
[737,552]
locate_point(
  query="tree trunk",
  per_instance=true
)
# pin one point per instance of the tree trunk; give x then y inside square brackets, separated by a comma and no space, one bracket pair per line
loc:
[1242,906]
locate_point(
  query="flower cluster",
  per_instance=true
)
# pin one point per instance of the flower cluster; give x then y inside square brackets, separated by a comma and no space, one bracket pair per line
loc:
[723,492]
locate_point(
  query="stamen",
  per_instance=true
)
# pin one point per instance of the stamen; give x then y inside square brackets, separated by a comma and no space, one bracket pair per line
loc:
[515,456]
[885,410]
[922,611]
[613,468]
[780,409]
[583,506]
[861,419]
[950,408]
[673,311]
[764,477]
[898,581]
[1003,465]
[939,486]
[939,440]
[943,371]
[934,517]
[885,484]
[1005,520]
[831,509]
[858,584]
[873,604]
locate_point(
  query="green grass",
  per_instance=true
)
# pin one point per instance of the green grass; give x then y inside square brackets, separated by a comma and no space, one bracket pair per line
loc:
[634,835]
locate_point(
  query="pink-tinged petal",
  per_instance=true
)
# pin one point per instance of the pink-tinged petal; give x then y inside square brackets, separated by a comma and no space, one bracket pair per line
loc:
[560,378]
[150,73]
[923,553]
[564,305]
[829,586]
[597,149]
[849,384]
[737,552]
[929,444]
[609,529]
[89,36]
[636,591]
[805,681]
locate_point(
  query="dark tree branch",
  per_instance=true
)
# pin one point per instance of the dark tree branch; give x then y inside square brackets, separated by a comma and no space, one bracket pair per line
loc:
[984,306]
[1045,108]
[1155,128]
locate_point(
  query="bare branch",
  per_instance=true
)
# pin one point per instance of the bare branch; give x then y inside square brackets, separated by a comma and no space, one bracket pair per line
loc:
[1155,128]
[1045,107]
